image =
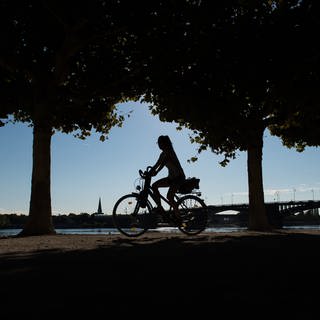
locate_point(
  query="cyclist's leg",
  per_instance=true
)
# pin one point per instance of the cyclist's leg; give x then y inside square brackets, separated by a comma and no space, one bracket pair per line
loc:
[161,183]
[175,184]
[170,196]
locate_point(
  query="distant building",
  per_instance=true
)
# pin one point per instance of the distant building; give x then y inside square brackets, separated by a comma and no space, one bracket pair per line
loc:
[99,211]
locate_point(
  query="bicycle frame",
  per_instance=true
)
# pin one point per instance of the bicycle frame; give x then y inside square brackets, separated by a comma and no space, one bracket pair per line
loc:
[163,198]
[149,192]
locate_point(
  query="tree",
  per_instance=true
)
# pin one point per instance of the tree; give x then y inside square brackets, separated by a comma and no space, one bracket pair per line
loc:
[227,79]
[213,68]
[65,69]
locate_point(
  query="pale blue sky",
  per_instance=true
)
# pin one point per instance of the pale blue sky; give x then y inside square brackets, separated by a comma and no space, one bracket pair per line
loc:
[83,171]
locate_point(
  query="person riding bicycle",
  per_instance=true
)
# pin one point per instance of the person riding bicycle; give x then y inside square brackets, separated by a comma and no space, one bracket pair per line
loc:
[175,178]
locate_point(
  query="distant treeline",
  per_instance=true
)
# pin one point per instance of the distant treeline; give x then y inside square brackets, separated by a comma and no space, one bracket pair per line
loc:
[71,220]
[86,220]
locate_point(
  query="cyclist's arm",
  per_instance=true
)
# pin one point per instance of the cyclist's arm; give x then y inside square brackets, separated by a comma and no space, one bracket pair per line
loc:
[159,165]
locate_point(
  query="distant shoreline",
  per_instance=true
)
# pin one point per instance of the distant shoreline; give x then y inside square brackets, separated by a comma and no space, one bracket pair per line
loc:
[85,220]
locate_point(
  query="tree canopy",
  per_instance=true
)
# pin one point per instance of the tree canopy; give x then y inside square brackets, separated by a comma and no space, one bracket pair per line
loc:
[68,56]
[238,63]
[226,70]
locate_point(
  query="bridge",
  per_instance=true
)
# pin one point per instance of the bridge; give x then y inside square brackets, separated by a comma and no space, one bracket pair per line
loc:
[277,211]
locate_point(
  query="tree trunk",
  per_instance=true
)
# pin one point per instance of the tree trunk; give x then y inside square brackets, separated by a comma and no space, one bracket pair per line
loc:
[40,216]
[257,211]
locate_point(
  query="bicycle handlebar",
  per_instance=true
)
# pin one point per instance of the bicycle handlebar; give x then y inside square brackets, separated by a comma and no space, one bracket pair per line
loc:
[145,173]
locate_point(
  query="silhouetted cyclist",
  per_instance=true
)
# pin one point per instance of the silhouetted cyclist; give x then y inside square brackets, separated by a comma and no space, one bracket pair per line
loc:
[175,178]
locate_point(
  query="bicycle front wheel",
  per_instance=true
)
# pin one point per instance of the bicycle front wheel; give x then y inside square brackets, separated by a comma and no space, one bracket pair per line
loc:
[128,216]
[194,214]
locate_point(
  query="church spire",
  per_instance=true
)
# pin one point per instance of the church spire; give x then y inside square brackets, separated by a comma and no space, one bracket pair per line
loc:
[99,207]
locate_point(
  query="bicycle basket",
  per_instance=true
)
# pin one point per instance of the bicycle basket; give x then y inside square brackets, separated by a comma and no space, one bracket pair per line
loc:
[189,185]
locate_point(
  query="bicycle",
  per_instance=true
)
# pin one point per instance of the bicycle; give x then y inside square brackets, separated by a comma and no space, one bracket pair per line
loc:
[133,214]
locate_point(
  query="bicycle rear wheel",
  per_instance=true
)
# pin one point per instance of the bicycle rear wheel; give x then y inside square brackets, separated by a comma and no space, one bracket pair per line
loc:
[129,218]
[194,214]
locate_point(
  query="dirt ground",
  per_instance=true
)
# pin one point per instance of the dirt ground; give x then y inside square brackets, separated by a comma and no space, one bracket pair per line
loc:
[247,274]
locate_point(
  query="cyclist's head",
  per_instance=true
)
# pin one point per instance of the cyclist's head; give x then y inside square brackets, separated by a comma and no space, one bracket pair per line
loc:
[164,142]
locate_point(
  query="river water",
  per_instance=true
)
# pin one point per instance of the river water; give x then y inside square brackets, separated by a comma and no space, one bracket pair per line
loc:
[12,232]
[101,231]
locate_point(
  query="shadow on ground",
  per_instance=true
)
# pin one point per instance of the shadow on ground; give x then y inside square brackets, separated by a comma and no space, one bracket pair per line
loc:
[264,276]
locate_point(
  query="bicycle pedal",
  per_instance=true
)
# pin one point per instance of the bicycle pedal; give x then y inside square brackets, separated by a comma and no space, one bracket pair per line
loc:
[184,225]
